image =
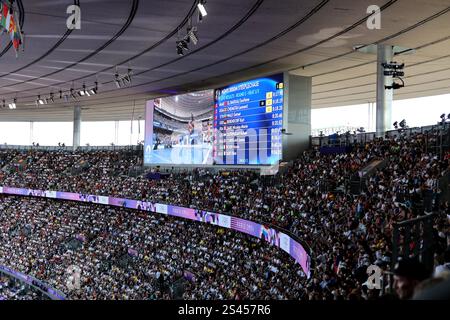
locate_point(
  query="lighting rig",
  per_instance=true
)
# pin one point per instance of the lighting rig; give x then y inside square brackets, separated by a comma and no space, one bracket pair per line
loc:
[13,104]
[444,118]
[123,80]
[394,70]
[400,126]
[66,96]
[191,31]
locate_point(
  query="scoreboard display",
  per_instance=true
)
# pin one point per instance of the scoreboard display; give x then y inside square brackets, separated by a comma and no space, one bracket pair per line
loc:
[248,119]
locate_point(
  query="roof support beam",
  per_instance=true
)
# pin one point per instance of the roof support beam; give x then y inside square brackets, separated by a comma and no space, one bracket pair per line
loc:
[76,126]
[384,97]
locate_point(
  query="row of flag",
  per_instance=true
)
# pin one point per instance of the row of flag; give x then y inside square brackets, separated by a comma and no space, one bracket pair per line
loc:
[9,25]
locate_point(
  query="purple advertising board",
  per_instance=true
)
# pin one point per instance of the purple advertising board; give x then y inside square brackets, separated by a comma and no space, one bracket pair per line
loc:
[50,292]
[261,231]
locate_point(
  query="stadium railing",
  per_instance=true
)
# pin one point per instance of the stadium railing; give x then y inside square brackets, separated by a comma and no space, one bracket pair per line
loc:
[51,293]
[438,145]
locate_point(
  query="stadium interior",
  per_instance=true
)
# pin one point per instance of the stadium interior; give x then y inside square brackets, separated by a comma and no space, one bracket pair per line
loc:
[224,189]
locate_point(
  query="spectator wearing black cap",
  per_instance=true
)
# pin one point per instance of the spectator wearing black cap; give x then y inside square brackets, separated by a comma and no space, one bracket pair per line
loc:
[408,273]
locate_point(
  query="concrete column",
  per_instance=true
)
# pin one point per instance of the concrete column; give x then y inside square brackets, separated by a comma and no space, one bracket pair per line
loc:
[31,132]
[384,97]
[76,126]
[116,132]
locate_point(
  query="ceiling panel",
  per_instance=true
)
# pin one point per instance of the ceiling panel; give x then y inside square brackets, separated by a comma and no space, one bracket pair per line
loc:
[238,40]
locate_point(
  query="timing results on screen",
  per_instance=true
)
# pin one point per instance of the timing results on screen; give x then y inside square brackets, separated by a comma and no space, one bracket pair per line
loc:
[248,118]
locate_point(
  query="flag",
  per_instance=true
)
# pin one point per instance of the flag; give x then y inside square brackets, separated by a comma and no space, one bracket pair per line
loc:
[16,44]
[15,35]
[7,21]
[5,12]
[8,24]
[12,29]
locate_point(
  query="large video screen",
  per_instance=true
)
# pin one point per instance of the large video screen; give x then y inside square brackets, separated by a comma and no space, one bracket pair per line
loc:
[248,119]
[179,129]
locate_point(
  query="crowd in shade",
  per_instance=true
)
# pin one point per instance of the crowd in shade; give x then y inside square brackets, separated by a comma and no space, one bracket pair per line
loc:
[13,289]
[312,199]
[129,254]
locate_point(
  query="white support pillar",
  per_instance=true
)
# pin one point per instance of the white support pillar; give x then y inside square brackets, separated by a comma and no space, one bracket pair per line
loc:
[76,126]
[31,132]
[116,132]
[384,97]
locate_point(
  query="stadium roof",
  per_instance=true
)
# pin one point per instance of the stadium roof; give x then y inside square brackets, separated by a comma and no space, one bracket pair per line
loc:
[237,40]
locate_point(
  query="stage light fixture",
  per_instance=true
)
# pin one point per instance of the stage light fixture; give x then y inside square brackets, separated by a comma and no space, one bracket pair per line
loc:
[180,51]
[393,65]
[395,85]
[117,80]
[84,92]
[395,70]
[192,35]
[127,78]
[124,80]
[182,45]
[93,91]
[13,105]
[201,8]
[72,94]
[39,100]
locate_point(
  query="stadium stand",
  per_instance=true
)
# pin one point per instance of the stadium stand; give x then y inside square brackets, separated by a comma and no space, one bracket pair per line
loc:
[346,232]
[224,150]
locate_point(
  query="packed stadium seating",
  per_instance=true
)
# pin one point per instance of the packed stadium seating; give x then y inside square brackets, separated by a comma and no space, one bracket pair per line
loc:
[12,289]
[122,252]
[346,232]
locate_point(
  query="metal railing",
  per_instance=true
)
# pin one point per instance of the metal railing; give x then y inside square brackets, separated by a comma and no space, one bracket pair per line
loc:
[437,138]
[38,285]
[414,239]
[444,186]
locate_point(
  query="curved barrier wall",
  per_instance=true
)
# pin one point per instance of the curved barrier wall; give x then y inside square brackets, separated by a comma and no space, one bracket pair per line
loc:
[48,291]
[272,235]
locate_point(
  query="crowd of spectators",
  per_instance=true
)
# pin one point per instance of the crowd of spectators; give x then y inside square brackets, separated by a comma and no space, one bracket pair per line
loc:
[13,289]
[312,199]
[128,254]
